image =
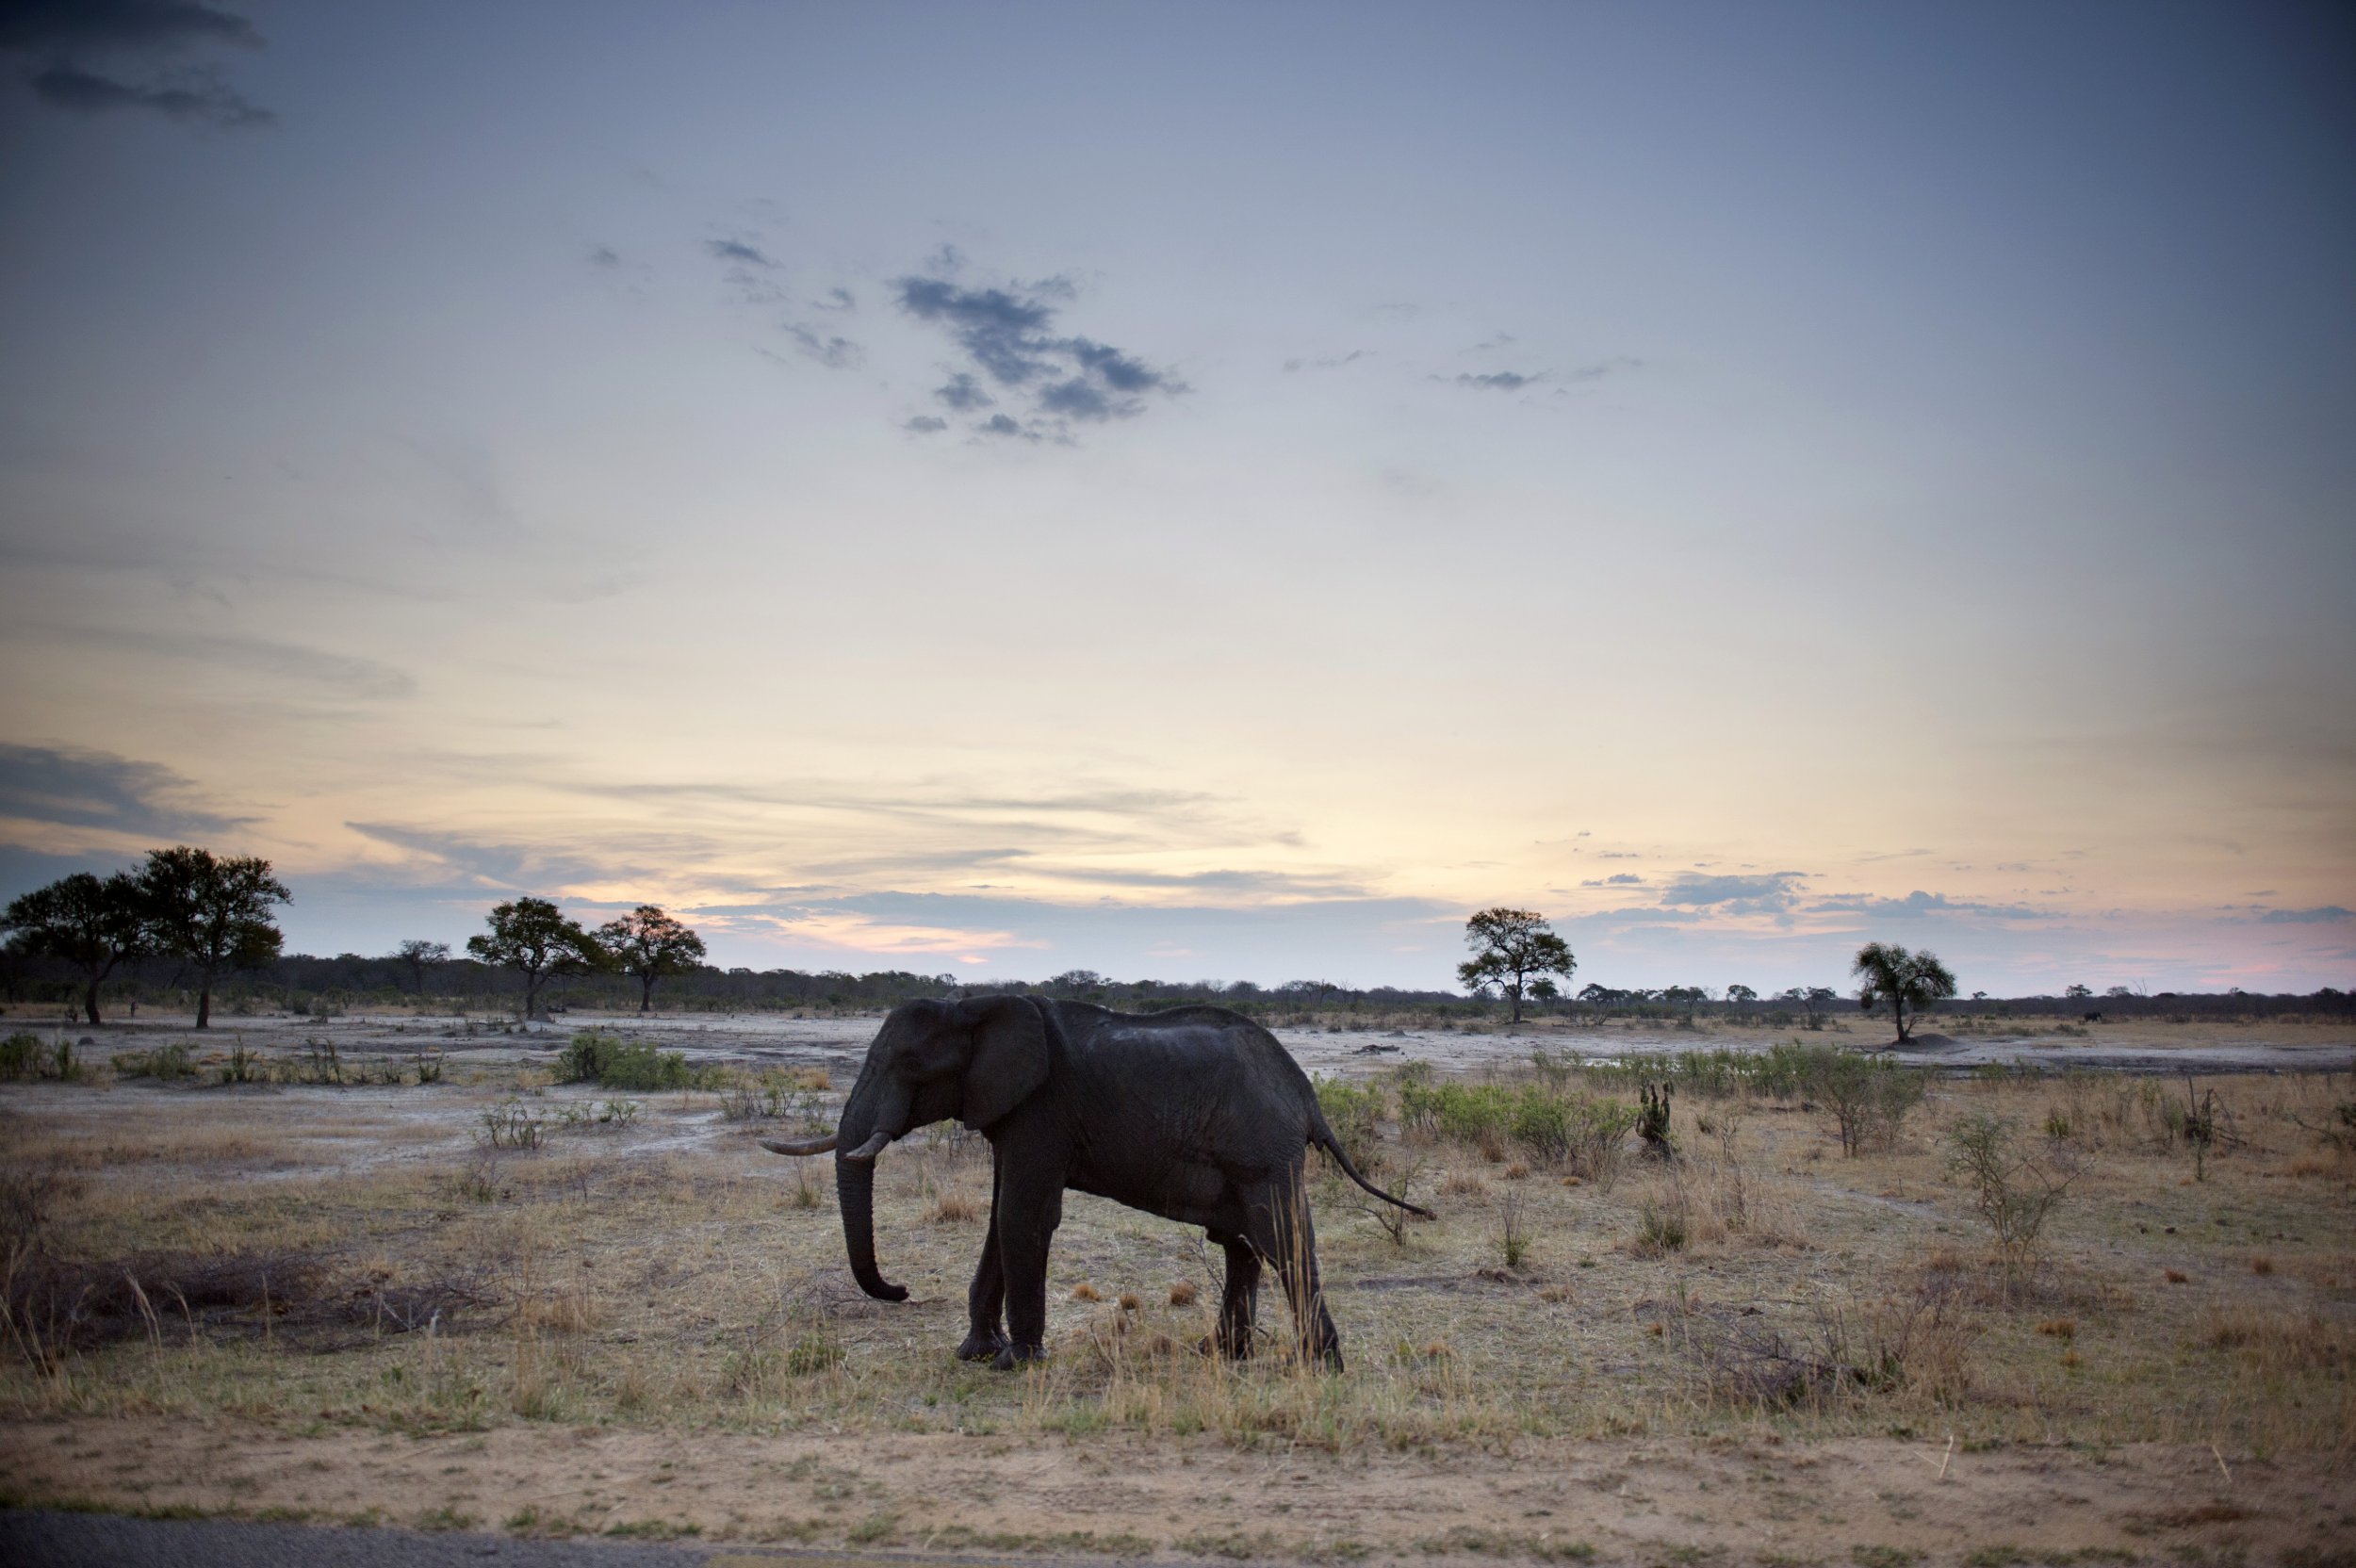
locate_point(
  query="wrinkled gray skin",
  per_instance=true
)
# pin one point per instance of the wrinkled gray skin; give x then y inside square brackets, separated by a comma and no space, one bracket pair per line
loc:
[1196,1114]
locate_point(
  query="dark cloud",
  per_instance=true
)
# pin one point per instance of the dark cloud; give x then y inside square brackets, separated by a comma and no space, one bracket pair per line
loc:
[1618,879]
[1735,895]
[963,393]
[1918,904]
[738,251]
[998,424]
[604,255]
[145,32]
[120,24]
[2322,915]
[836,354]
[925,424]
[195,99]
[97,789]
[1500,381]
[1009,334]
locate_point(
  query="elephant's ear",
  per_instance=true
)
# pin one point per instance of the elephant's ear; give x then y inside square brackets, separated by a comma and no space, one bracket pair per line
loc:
[1009,1057]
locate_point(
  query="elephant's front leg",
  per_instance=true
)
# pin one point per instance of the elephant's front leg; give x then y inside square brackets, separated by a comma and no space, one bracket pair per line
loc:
[986,1301]
[1030,1207]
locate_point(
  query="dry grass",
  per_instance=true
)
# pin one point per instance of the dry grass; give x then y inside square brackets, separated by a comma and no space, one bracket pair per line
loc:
[668,1273]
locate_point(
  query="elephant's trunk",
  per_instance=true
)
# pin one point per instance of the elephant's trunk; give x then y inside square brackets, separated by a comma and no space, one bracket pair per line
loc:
[873,1119]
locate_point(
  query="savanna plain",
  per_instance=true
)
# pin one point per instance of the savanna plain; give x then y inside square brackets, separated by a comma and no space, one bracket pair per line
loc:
[1809,1307]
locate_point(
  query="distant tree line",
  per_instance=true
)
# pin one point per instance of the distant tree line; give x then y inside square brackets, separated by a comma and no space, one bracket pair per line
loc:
[188,927]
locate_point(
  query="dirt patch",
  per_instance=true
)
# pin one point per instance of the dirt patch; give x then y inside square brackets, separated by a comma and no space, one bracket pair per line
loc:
[1644,1500]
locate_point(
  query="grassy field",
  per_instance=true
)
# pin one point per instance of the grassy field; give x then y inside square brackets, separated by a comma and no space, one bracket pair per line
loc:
[2150,1268]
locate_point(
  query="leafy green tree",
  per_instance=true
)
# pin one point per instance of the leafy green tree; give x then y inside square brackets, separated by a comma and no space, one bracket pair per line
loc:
[1510,946]
[413,955]
[212,912]
[2079,993]
[538,941]
[91,925]
[648,944]
[1741,996]
[1904,980]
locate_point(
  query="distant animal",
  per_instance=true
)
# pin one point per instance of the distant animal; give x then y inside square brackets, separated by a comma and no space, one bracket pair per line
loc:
[2091,1018]
[1196,1114]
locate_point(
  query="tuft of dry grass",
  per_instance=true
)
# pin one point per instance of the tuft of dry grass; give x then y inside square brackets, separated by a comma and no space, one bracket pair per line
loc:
[1463,1183]
[1129,1301]
[1182,1293]
[2063,1329]
[2261,1264]
[2176,1276]
[954,1208]
[1086,1292]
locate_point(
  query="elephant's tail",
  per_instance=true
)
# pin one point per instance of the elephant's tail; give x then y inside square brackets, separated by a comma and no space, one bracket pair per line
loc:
[1321,1137]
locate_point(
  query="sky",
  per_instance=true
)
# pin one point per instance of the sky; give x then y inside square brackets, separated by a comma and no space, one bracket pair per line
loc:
[1199,491]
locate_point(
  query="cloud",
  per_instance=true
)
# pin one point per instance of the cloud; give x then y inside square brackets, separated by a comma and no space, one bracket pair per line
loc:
[1619,365]
[96,788]
[739,250]
[1010,335]
[835,354]
[68,32]
[1332,363]
[998,424]
[2321,915]
[1618,879]
[837,300]
[1918,903]
[1500,381]
[198,98]
[348,674]
[605,255]
[1735,895]
[119,23]
[925,424]
[963,393]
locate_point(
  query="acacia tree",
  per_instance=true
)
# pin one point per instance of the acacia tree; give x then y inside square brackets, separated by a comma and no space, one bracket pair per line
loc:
[1510,946]
[92,924]
[414,954]
[1905,980]
[648,944]
[534,937]
[212,912]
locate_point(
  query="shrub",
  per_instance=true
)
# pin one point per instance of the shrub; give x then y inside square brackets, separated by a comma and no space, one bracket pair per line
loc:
[1354,1111]
[166,1063]
[20,1056]
[2013,1193]
[611,1062]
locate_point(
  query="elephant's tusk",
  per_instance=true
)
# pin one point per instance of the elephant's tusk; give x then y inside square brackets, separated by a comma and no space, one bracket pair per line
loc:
[800,1146]
[869,1149]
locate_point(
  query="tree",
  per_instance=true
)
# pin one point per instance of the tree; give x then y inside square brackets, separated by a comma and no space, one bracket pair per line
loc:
[1905,980]
[212,912]
[534,937]
[91,925]
[650,944]
[1509,947]
[1741,996]
[2079,993]
[413,955]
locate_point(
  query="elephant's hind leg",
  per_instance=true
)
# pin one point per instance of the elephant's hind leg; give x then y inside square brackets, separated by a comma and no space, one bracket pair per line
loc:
[1239,1302]
[1291,1241]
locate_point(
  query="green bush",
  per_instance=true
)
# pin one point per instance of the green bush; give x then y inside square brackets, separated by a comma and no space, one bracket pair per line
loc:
[1354,1111]
[20,1056]
[611,1062]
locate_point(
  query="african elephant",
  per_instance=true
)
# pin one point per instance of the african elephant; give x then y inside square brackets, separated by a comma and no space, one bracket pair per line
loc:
[1196,1114]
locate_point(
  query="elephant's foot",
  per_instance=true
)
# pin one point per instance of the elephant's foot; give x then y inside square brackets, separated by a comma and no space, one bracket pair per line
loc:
[982,1346]
[1013,1356]
[1226,1349]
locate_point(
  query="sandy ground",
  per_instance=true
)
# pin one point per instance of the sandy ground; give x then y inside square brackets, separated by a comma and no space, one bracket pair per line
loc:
[1863,1501]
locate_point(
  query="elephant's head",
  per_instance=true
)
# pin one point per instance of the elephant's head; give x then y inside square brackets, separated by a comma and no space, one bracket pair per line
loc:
[974,1060]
